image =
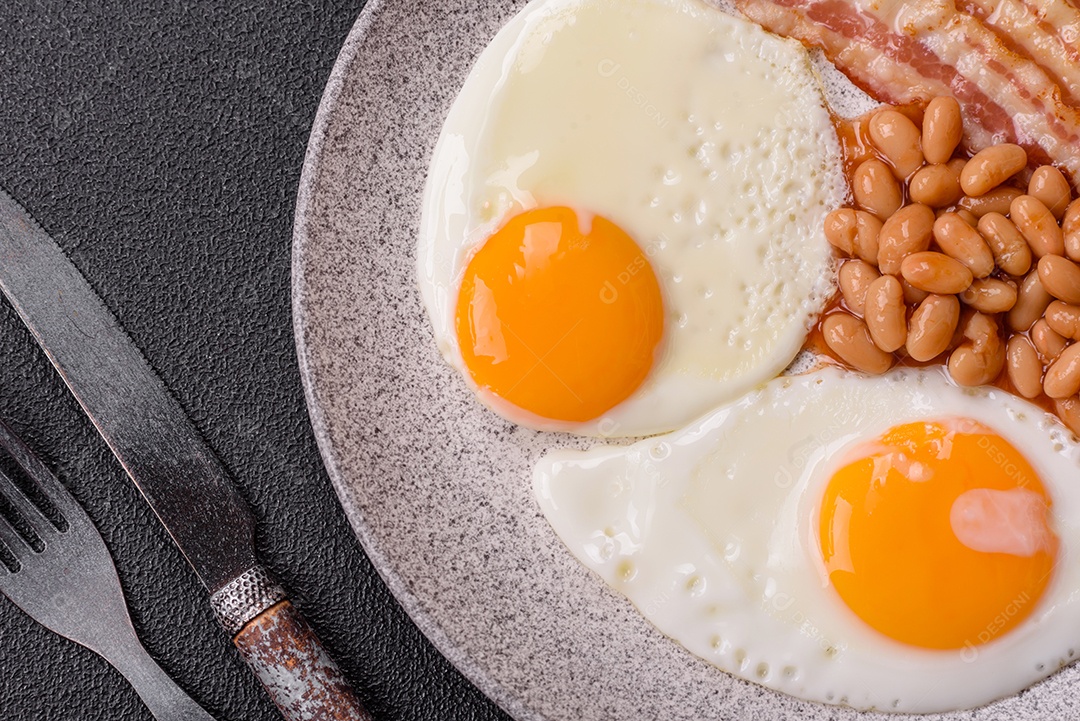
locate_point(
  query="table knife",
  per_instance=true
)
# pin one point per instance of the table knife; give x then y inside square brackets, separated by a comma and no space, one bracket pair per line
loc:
[183,481]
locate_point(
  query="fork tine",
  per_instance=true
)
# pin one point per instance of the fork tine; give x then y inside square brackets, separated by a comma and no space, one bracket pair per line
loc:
[17,546]
[37,520]
[38,473]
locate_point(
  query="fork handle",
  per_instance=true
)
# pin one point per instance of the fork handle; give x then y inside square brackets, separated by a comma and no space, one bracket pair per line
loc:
[283,651]
[159,693]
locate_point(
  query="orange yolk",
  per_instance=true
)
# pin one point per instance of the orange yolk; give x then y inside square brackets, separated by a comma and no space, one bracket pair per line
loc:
[937,534]
[559,322]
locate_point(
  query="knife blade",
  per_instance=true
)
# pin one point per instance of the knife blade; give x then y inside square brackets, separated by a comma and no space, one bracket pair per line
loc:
[180,477]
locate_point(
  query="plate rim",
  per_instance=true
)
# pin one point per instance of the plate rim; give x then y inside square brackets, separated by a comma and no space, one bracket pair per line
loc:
[514,703]
[329,102]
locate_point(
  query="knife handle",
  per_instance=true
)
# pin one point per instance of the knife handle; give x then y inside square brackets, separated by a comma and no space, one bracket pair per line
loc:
[283,651]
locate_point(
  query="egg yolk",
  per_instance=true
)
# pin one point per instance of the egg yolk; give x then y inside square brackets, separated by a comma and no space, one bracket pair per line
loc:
[938,534]
[558,320]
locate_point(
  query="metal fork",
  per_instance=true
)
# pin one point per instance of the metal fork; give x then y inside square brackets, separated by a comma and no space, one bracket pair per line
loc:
[60,573]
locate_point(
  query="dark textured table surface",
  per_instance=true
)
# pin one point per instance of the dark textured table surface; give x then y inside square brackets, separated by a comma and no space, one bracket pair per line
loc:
[160,143]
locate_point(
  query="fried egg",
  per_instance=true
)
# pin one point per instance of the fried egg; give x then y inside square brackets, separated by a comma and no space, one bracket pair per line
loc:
[881,543]
[622,221]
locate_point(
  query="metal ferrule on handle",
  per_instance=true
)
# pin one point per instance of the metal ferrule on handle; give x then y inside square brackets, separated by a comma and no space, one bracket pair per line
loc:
[283,651]
[245,597]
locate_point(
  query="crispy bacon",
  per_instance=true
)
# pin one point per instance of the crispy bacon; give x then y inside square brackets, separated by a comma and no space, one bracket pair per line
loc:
[1048,30]
[908,51]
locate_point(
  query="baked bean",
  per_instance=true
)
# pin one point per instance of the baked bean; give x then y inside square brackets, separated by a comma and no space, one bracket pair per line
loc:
[1031,302]
[912,295]
[1070,229]
[957,166]
[840,230]
[867,230]
[981,357]
[855,277]
[848,337]
[1011,252]
[898,140]
[1047,341]
[932,326]
[1049,186]
[907,231]
[958,239]
[875,188]
[1061,278]
[1023,366]
[1064,319]
[942,128]
[998,200]
[990,295]
[935,185]
[969,368]
[1063,376]
[935,273]
[886,314]
[991,167]
[1068,410]
[968,217]
[980,328]
[1038,226]
[961,325]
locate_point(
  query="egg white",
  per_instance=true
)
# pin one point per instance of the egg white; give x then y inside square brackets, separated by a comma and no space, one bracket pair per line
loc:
[701,135]
[710,532]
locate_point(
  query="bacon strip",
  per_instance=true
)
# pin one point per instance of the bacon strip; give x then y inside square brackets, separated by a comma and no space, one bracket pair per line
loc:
[908,51]
[1048,31]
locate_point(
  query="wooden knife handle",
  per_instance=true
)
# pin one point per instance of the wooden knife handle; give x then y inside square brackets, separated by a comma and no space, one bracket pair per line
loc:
[296,670]
[284,652]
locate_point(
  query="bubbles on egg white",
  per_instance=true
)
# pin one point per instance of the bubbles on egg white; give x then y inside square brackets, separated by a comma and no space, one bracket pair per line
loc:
[726,548]
[734,166]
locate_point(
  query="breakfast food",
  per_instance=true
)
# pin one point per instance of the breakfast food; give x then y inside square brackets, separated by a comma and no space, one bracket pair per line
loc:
[694,141]
[887,543]
[967,259]
[1011,65]
[632,222]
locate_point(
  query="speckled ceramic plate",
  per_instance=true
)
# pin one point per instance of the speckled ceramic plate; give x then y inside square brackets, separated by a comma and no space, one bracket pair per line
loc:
[436,486]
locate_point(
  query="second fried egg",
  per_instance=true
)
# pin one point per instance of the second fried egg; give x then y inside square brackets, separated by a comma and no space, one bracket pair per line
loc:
[882,543]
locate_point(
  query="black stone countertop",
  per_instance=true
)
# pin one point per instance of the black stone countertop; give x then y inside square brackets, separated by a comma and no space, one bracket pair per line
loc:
[160,143]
